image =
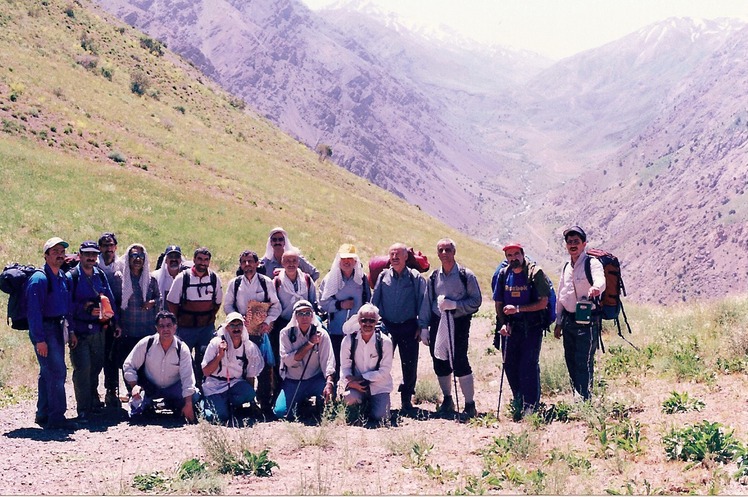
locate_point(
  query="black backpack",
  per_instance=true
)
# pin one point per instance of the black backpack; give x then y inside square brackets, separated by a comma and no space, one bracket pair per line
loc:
[354,343]
[13,281]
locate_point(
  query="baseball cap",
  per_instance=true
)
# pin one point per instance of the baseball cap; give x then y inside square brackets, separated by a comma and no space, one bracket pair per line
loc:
[302,304]
[579,231]
[56,240]
[513,245]
[347,251]
[233,316]
[89,246]
[173,248]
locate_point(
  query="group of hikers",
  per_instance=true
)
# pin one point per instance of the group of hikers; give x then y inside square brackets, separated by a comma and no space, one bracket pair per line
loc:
[288,339]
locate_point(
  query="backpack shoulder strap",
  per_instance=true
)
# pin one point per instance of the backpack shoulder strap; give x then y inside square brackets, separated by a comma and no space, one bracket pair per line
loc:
[185,285]
[75,275]
[237,282]
[588,268]
[214,284]
[463,277]
[264,286]
[380,347]
[501,282]
[354,344]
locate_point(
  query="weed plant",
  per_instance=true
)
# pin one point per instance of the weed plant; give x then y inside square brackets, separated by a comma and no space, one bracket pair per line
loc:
[701,441]
[681,402]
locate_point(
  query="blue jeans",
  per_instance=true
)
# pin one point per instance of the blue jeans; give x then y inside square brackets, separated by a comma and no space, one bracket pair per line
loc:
[171,395]
[52,403]
[522,362]
[197,339]
[218,406]
[379,404]
[311,387]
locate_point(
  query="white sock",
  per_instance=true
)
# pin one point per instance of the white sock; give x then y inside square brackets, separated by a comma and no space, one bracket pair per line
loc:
[468,390]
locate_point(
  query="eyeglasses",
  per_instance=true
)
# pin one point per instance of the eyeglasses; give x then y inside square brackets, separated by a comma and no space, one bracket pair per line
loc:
[235,324]
[277,239]
[573,241]
[137,256]
[367,321]
[305,314]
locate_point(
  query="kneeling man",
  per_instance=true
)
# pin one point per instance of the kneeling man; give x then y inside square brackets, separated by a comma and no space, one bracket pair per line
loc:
[230,364]
[307,360]
[366,364]
[160,367]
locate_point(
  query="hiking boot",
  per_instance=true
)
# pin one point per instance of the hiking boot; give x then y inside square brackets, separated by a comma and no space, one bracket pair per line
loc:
[406,403]
[40,420]
[469,411]
[83,418]
[447,406]
[111,399]
[65,424]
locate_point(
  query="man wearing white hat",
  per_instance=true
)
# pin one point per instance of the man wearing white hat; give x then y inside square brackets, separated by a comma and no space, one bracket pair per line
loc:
[307,361]
[278,243]
[48,301]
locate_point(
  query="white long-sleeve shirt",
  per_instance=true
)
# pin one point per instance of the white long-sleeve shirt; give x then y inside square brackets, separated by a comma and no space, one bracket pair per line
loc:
[366,357]
[162,367]
[321,358]
[251,290]
[573,285]
[232,365]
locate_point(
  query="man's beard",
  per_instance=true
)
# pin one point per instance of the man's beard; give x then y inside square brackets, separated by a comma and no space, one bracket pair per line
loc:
[515,264]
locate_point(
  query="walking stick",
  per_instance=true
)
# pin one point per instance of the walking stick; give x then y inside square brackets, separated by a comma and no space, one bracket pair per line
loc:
[293,399]
[501,385]
[452,358]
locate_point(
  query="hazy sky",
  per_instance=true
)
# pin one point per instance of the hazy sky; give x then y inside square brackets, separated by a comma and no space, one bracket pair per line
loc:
[555,28]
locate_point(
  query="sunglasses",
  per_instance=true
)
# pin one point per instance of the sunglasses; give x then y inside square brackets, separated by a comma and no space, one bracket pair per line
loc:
[305,314]
[276,239]
[137,256]
[367,321]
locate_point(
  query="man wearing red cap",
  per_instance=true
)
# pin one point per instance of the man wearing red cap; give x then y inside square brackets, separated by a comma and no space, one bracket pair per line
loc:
[521,296]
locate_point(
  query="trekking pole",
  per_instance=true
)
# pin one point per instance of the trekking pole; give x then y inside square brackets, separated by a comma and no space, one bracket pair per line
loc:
[452,358]
[293,399]
[502,342]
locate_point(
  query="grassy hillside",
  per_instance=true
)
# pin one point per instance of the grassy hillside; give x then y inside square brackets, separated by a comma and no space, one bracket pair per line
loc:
[177,161]
[181,163]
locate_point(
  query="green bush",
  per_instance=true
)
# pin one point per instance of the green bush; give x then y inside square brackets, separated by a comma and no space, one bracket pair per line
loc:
[681,402]
[697,442]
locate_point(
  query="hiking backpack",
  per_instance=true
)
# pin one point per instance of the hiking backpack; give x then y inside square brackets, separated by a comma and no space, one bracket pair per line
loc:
[378,263]
[380,348]
[549,313]
[13,281]
[610,300]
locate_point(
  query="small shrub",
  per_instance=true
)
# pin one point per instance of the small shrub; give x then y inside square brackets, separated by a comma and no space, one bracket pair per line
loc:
[117,157]
[238,103]
[250,464]
[149,482]
[153,46]
[190,469]
[520,445]
[70,11]
[139,82]
[697,442]
[180,108]
[681,402]
[107,71]
[87,44]
[427,390]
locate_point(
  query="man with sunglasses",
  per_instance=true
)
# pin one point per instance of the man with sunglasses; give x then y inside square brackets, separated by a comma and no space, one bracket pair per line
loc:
[366,365]
[580,333]
[141,301]
[307,361]
[272,262]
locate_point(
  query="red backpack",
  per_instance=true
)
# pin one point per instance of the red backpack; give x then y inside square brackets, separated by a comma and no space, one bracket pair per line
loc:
[416,260]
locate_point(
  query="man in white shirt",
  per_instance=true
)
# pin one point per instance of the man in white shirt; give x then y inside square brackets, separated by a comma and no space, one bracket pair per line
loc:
[366,365]
[252,286]
[195,297]
[580,335]
[160,366]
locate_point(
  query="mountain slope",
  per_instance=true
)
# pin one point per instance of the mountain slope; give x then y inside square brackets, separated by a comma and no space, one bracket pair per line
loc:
[179,163]
[323,87]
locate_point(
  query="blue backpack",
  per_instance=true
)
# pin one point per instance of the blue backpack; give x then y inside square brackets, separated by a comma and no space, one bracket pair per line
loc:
[13,281]
[499,279]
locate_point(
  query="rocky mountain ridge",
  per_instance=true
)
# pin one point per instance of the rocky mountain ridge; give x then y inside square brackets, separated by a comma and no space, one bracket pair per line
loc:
[590,139]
